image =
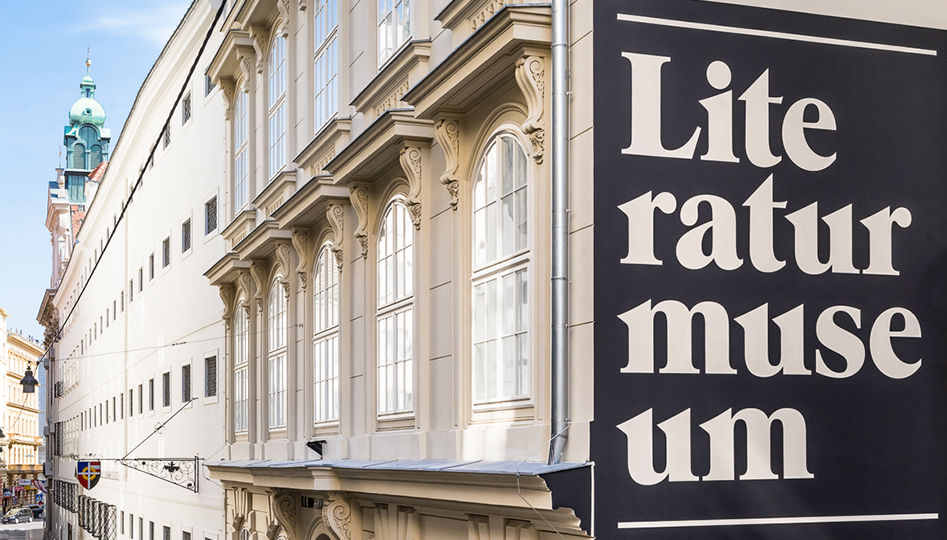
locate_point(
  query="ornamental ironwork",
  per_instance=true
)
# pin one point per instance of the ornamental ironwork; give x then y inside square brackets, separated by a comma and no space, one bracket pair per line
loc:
[183,472]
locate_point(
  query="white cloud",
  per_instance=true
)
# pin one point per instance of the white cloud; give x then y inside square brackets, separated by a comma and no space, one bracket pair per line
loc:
[153,23]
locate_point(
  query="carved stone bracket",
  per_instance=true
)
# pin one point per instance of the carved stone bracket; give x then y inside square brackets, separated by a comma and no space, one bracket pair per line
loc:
[394,522]
[227,86]
[283,7]
[411,164]
[530,73]
[241,505]
[478,527]
[259,36]
[335,214]
[227,294]
[245,281]
[447,131]
[246,69]
[284,254]
[258,271]
[282,515]
[343,516]
[301,244]
[358,195]
[303,5]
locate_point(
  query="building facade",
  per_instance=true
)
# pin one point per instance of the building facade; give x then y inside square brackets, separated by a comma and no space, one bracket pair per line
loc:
[22,470]
[387,281]
[329,284]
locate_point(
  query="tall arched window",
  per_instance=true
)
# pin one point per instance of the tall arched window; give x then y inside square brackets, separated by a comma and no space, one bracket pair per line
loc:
[241,128]
[240,365]
[276,357]
[395,319]
[325,338]
[500,284]
[325,61]
[276,106]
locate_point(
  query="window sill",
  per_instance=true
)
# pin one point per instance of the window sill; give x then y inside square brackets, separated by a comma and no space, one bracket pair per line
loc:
[504,411]
[326,429]
[390,422]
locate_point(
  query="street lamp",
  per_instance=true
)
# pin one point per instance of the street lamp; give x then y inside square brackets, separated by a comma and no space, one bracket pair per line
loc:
[28,381]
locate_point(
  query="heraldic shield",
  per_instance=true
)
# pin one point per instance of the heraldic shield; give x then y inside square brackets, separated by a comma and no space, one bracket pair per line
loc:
[88,473]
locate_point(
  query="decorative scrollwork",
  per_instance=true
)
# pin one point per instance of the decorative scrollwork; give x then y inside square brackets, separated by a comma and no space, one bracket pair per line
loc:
[447,131]
[339,515]
[183,472]
[411,164]
[530,77]
[359,197]
[301,244]
[335,214]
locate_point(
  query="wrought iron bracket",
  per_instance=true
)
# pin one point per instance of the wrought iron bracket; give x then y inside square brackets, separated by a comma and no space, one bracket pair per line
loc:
[183,472]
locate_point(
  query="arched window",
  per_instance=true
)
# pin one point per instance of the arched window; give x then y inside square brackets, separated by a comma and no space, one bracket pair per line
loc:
[240,365]
[78,156]
[394,27]
[395,319]
[276,106]
[241,128]
[325,61]
[96,156]
[325,338]
[276,358]
[500,284]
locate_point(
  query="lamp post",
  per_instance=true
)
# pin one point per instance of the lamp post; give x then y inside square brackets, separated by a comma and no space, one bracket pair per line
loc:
[28,381]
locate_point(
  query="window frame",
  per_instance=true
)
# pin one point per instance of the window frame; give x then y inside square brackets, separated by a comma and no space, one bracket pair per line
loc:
[325,54]
[277,352]
[400,15]
[241,367]
[326,337]
[387,308]
[240,125]
[186,109]
[503,265]
[277,105]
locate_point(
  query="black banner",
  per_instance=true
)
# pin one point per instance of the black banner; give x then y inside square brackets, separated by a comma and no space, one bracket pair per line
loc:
[770,300]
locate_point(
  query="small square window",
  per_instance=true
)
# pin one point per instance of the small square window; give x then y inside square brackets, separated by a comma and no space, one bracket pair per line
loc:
[208,85]
[185,236]
[141,279]
[151,397]
[167,533]
[186,109]
[186,383]
[151,266]
[210,376]
[210,215]
[141,399]
[166,389]
[165,253]
[131,291]
[165,137]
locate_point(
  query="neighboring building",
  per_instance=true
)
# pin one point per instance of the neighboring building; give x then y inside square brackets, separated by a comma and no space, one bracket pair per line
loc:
[20,465]
[135,327]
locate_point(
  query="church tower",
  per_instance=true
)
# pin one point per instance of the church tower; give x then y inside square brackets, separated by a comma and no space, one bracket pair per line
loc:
[86,139]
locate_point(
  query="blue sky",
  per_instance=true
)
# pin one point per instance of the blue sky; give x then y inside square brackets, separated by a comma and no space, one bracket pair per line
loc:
[43,63]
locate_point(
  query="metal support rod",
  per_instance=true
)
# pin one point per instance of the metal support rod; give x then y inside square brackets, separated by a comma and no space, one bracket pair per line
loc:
[560,231]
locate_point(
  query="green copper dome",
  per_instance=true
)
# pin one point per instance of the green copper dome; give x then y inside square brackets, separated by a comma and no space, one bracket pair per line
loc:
[87,110]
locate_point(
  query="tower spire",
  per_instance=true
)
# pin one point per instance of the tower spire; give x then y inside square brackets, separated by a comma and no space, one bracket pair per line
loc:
[88,58]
